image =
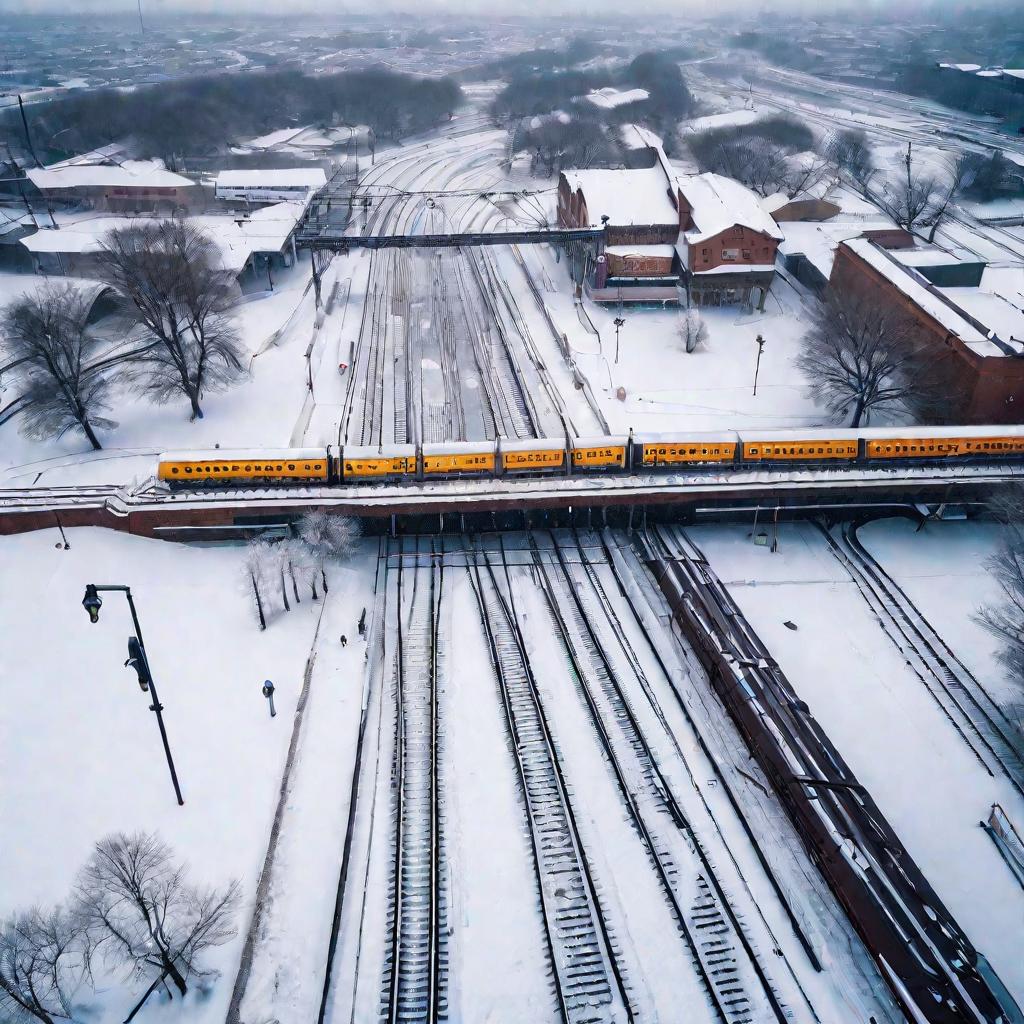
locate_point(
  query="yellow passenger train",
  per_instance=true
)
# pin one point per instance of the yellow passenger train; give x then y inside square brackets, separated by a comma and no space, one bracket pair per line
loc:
[632,453]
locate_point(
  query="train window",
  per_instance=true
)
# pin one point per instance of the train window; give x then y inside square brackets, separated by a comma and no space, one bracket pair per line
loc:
[174,469]
[188,469]
[291,465]
[280,468]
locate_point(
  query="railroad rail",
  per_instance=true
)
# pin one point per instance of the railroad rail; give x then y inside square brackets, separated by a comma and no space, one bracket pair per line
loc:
[933,970]
[965,701]
[731,972]
[415,986]
[588,980]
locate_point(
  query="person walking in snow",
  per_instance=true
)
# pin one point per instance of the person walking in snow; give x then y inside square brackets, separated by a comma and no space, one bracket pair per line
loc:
[344,640]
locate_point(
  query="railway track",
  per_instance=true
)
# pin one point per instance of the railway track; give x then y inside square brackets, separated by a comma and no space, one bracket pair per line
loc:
[416,969]
[962,697]
[723,955]
[929,963]
[588,981]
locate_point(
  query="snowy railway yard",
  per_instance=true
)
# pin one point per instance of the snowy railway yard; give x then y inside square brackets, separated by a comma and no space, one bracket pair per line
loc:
[511,775]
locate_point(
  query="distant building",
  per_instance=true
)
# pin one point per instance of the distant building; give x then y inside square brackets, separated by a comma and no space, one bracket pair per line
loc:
[972,316]
[728,242]
[269,185]
[252,243]
[665,234]
[134,186]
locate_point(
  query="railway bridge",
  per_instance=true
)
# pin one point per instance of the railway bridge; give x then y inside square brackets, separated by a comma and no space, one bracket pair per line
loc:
[468,505]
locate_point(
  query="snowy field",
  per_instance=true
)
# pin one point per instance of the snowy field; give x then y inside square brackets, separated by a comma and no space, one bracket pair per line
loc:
[85,751]
[878,712]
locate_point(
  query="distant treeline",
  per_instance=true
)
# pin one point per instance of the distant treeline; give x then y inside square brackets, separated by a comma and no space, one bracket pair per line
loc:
[202,115]
[962,91]
[536,93]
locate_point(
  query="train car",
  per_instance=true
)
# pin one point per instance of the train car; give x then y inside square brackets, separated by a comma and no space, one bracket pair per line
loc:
[377,462]
[653,451]
[458,458]
[235,466]
[599,453]
[801,446]
[536,455]
[943,442]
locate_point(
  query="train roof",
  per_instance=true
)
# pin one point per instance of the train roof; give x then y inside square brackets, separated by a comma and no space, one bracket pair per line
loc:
[597,441]
[243,454]
[532,444]
[378,451]
[987,430]
[806,434]
[685,437]
[459,448]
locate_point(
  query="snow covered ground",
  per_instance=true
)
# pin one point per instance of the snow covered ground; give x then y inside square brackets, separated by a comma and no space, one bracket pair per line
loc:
[878,713]
[83,752]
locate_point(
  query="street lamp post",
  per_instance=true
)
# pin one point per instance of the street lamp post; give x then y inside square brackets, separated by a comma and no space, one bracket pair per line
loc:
[757,365]
[619,322]
[139,661]
[268,692]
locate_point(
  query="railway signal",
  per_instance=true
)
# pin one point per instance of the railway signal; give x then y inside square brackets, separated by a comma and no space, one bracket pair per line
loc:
[137,658]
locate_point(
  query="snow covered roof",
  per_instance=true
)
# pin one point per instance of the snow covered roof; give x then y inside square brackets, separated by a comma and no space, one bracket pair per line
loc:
[718,203]
[610,97]
[1014,72]
[949,310]
[129,174]
[265,230]
[312,177]
[636,196]
[636,136]
[960,67]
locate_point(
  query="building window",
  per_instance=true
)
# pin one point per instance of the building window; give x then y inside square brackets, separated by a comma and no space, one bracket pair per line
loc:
[704,253]
[746,254]
[730,254]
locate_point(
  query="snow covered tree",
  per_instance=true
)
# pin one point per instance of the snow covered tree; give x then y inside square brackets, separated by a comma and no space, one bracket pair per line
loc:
[860,356]
[255,567]
[145,916]
[328,537]
[44,957]
[691,329]
[54,360]
[177,295]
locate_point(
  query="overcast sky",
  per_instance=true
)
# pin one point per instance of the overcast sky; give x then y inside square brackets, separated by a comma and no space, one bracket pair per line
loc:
[423,7]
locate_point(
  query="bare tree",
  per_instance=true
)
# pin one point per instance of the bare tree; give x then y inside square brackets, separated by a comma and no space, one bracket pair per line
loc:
[145,916]
[910,198]
[851,152]
[958,174]
[174,290]
[859,356]
[691,329]
[1005,619]
[54,358]
[44,957]
[329,538]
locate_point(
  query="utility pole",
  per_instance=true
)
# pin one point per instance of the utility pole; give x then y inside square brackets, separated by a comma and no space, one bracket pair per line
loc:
[142,27]
[757,365]
[619,322]
[28,136]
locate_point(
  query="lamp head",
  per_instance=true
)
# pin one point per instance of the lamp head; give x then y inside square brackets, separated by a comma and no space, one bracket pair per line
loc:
[92,602]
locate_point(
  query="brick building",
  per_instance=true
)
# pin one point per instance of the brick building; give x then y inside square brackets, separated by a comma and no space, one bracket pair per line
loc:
[728,241]
[975,323]
[636,208]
